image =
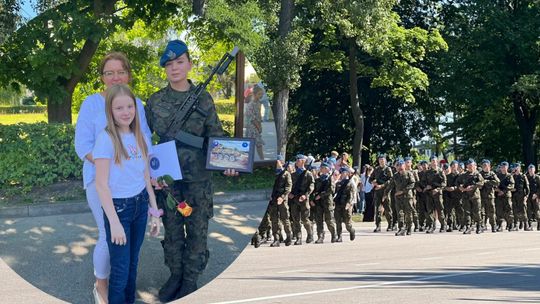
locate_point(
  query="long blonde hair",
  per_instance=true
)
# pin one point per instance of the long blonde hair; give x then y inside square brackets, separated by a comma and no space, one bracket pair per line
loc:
[135,126]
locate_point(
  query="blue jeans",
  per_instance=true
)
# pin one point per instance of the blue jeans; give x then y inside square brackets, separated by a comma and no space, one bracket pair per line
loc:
[133,215]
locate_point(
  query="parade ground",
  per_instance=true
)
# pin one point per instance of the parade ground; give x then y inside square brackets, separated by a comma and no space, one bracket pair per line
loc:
[47,259]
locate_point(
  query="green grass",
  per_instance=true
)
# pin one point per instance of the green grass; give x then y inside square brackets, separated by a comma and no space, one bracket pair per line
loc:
[11,119]
[261,178]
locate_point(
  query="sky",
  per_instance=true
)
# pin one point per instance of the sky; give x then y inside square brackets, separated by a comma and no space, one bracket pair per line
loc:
[27,11]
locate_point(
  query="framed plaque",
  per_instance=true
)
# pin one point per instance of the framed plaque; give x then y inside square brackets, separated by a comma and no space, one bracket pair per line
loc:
[230,153]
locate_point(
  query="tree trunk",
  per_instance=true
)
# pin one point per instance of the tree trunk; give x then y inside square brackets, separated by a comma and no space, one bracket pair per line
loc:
[358,114]
[281,97]
[280,108]
[60,111]
[526,119]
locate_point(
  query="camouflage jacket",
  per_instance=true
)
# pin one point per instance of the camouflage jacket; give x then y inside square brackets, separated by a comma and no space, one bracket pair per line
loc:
[381,176]
[282,186]
[160,108]
[302,184]
[404,182]
[345,194]
[507,184]
[534,184]
[473,179]
[436,179]
[521,184]
[452,187]
[491,181]
[325,190]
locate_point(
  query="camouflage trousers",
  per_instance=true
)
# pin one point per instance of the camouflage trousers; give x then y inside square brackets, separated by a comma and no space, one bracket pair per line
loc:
[264,227]
[380,207]
[404,206]
[421,208]
[488,205]
[533,209]
[300,215]
[395,209]
[323,214]
[503,210]
[185,243]
[415,213]
[434,204]
[453,210]
[343,215]
[279,215]
[471,206]
[519,205]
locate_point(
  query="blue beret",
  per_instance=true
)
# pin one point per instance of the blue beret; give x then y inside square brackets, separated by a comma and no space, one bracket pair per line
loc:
[422,162]
[432,157]
[454,162]
[300,156]
[344,169]
[486,161]
[408,158]
[280,157]
[326,165]
[461,164]
[381,156]
[532,166]
[174,49]
[504,163]
[470,161]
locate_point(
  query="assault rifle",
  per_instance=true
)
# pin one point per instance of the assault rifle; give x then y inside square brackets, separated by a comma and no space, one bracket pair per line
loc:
[191,104]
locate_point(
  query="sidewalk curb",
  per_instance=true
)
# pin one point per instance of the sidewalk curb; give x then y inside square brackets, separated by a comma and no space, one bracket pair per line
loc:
[45,209]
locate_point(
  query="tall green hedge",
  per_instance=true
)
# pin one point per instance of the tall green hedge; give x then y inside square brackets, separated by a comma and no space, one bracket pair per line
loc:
[22,109]
[37,154]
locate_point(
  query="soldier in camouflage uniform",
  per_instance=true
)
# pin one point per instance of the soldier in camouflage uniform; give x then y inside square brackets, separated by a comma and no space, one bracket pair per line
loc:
[408,167]
[323,203]
[303,185]
[278,207]
[533,206]
[403,184]
[491,181]
[470,184]
[453,204]
[380,178]
[503,200]
[519,198]
[435,182]
[346,192]
[185,243]
[421,196]
[262,235]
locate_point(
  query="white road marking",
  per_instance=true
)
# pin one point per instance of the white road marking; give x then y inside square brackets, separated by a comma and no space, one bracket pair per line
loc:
[419,279]
[367,264]
[292,271]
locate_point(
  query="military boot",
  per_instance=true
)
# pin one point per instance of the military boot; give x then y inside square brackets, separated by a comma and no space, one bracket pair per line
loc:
[188,287]
[528,226]
[288,240]
[339,239]
[479,228]
[298,239]
[377,228]
[334,238]
[538,226]
[493,228]
[276,241]
[256,240]
[309,238]
[389,228]
[520,225]
[320,238]
[168,291]
[467,230]
[352,234]
[443,228]
[408,230]
[401,232]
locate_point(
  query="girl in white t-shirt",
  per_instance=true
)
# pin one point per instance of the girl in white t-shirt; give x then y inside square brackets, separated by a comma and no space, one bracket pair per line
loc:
[123,184]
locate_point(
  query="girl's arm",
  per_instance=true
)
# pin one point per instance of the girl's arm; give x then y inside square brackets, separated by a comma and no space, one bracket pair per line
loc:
[118,236]
[154,221]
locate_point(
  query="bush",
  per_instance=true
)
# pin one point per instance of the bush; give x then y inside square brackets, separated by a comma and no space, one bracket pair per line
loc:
[22,109]
[37,154]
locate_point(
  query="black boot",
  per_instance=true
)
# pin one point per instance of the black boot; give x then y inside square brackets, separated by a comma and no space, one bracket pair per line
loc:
[528,226]
[352,234]
[520,225]
[334,238]
[401,232]
[479,229]
[298,239]
[256,240]
[339,240]
[493,228]
[443,228]
[389,228]
[538,226]
[168,291]
[276,241]
[408,231]
[320,238]
[288,240]
[187,288]
[467,230]
[377,228]
[309,238]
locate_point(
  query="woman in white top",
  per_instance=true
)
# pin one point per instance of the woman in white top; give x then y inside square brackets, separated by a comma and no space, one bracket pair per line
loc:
[123,184]
[114,69]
